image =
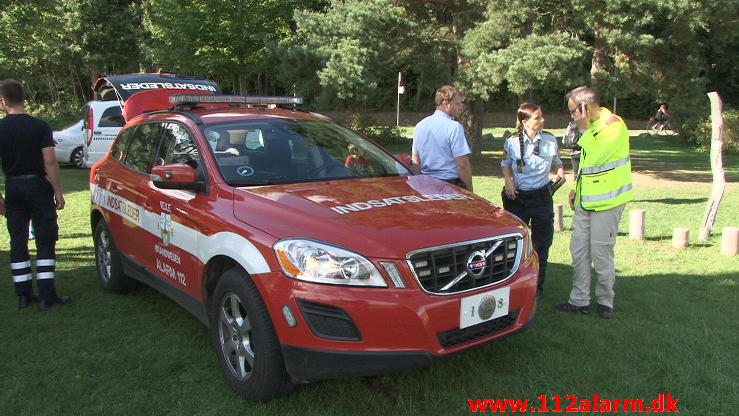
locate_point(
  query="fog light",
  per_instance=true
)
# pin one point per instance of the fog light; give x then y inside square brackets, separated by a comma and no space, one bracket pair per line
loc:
[289,316]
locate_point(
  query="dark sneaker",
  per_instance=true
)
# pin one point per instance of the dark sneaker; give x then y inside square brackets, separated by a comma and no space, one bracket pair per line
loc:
[568,307]
[44,305]
[605,312]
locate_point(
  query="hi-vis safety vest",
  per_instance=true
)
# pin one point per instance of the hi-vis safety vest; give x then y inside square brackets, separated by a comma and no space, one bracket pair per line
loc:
[604,179]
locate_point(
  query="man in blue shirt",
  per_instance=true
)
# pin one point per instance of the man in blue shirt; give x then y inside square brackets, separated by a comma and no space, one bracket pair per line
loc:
[440,147]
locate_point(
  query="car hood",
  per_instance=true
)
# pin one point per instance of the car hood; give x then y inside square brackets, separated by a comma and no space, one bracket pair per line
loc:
[377,217]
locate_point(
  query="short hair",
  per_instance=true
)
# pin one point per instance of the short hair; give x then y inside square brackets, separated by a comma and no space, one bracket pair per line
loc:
[583,95]
[12,91]
[445,93]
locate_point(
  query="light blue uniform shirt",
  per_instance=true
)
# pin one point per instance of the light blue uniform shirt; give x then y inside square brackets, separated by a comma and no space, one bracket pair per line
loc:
[437,140]
[537,167]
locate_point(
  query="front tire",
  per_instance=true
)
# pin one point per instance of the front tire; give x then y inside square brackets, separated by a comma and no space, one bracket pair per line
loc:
[78,158]
[245,340]
[108,262]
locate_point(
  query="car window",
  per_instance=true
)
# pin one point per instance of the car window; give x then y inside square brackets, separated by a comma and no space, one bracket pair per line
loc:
[112,117]
[177,146]
[85,112]
[118,149]
[254,152]
[140,152]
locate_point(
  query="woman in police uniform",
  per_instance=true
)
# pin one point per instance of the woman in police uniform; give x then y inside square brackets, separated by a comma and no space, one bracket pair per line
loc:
[528,159]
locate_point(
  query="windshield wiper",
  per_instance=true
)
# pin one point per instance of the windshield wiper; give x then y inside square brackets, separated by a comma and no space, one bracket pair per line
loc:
[254,182]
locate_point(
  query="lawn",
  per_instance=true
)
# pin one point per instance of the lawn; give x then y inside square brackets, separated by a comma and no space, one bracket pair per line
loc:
[675,329]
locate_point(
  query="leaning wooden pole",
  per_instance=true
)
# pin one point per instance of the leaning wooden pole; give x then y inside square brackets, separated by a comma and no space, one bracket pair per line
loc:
[717,166]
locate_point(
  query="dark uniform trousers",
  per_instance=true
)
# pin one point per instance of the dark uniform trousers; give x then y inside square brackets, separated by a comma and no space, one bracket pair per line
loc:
[31,198]
[535,209]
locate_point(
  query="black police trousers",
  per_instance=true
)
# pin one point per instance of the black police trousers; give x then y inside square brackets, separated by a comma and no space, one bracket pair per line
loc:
[536,210]
[31,198]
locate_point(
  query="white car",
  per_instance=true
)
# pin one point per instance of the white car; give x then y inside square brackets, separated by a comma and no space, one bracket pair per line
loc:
[68,145]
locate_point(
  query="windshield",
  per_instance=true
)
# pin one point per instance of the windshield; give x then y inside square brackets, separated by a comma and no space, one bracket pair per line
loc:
[274,151]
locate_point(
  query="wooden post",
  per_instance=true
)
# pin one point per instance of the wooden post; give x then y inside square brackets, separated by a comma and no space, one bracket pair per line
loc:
[637,224]
[717,166]
[730,241]
[680,237]
[558,221]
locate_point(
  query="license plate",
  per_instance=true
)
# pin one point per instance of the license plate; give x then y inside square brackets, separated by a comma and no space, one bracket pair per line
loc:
[484,307]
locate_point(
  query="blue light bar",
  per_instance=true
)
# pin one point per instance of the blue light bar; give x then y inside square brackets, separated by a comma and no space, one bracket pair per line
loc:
[233,99]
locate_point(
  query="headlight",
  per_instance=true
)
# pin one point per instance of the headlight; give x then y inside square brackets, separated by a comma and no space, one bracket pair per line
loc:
[322,263]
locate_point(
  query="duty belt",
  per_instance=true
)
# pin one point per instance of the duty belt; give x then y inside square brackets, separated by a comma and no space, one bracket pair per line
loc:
[29,176]
[543,191]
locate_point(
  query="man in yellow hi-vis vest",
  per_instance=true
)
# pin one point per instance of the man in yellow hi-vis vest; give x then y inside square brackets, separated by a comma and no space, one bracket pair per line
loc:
[601,190]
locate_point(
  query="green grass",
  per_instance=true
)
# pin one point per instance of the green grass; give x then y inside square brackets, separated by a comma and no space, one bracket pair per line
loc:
[674,331]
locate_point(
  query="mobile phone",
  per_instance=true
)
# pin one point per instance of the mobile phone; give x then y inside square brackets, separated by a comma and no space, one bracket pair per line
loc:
[583,106]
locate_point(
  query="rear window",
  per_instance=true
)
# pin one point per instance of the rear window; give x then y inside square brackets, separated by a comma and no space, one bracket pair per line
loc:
[112,117]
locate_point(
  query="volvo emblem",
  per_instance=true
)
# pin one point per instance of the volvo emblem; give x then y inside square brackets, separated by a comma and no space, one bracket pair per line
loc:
[487,307]
[476,264]
[245,171]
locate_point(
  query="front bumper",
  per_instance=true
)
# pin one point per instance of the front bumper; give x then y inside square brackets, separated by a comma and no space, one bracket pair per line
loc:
[397,329]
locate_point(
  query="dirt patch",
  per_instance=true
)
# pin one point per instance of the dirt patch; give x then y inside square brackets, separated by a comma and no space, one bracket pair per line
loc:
[676,179]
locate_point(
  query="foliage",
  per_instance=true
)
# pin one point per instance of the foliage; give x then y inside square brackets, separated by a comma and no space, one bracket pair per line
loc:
[383,134]
[355,49]
[698,131]
[348,53]
[58,114]
[230,41]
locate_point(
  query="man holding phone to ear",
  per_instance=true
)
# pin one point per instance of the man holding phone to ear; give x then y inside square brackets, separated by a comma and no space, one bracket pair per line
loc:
[599,195]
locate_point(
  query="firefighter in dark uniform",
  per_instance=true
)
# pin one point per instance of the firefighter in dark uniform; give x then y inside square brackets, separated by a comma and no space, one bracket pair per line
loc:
[529,157]
[33,192]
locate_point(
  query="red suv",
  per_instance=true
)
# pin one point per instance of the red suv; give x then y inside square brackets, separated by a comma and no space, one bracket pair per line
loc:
[304,262]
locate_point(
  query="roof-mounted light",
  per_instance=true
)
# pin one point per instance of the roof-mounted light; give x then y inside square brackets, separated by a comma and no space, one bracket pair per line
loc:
[233,99]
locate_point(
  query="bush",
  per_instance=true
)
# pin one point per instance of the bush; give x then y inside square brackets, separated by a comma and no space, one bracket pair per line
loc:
[59,114]
[381,133]
[697,131]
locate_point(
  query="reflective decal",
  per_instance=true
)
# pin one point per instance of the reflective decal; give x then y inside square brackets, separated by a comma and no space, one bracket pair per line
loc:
[378,203]
[202,247]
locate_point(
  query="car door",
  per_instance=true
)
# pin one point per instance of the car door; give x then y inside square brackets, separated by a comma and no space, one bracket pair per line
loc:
[129,186]
[182,215]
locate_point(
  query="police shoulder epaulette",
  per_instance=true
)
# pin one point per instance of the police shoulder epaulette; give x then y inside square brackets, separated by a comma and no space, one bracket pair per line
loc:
[613,119]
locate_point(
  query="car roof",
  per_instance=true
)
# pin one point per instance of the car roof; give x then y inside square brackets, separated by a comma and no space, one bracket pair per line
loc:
[211,109]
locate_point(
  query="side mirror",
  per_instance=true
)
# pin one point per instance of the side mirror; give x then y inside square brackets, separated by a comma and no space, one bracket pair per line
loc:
[176,176]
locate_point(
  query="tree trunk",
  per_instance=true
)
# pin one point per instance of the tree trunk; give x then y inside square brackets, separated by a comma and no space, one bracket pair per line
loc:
[242,85]
[600,55]
[717,166]
[474,125]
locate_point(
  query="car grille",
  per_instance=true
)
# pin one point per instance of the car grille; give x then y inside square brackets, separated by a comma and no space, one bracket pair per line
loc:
[447,269]
[456,337]
[329,322]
